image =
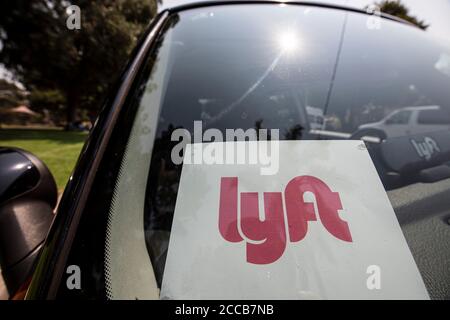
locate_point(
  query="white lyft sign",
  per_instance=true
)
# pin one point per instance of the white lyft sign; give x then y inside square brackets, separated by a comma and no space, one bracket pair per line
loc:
[312,230]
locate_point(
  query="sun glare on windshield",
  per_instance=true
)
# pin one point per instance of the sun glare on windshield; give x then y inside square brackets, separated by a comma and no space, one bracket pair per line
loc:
[288,42]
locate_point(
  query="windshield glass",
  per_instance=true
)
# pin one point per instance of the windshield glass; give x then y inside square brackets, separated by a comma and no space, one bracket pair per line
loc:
[311,73]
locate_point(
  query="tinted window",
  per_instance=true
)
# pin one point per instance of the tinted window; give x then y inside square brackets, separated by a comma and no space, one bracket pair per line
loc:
[438,116]
[401,117]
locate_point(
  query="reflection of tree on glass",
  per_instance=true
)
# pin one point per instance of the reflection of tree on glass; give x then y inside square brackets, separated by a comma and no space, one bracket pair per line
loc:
[398,9]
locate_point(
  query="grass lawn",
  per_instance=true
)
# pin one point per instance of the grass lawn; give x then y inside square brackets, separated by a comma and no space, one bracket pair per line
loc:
[58,149]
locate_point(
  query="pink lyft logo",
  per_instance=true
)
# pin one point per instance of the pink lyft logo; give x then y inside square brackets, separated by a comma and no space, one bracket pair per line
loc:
[272,231]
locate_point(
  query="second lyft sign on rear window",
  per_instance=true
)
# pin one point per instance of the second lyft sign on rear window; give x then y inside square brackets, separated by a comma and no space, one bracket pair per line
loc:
[314,229]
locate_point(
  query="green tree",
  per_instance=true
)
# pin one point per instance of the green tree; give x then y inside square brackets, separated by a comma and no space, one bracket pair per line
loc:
[11,95]
[398,9]
[45,55]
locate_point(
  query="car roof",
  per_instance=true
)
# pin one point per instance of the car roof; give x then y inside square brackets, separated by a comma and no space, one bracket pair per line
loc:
[349,5]
[419,108]
[170,4]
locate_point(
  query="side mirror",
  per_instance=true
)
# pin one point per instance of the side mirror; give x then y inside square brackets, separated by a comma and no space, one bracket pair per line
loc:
[28,195]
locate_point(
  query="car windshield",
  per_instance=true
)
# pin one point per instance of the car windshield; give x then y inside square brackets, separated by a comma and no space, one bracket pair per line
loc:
[312,73]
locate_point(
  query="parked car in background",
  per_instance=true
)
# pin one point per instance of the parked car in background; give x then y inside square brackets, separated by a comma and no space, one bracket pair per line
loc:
[408,121]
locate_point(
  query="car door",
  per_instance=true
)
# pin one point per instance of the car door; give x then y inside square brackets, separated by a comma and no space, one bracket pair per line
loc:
[399,124]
